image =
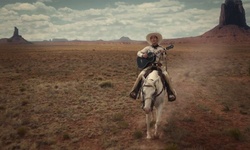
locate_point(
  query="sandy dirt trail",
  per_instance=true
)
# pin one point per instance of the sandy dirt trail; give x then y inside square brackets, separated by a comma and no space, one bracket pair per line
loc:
[200,76]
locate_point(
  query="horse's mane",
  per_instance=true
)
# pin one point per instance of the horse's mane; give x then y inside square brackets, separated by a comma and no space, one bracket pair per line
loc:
[153,75]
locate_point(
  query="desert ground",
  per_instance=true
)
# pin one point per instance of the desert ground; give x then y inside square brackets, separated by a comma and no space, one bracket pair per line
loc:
[74,96]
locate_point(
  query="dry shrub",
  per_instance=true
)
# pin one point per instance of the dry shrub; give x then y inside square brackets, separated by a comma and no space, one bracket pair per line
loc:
[172,146]
[66,136]
[106,84]
[117,117]
[44,142]
[137,134]
[203,107]
[123,124]
[226,108]
[25,121]
[24,102]
[22,89]
[188,119]
[176,133]
[2,107]
[236,134]
[247,129]
[109,142]
[22,131]
[243,112]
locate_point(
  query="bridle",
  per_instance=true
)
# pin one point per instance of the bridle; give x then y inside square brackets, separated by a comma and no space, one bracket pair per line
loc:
[154,96]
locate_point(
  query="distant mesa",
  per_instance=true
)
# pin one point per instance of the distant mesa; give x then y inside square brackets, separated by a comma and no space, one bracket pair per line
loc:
[59,40]
[15,39]
[125,39]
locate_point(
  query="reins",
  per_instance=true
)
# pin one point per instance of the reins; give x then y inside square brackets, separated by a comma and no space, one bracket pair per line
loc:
[154,96]
[160,92]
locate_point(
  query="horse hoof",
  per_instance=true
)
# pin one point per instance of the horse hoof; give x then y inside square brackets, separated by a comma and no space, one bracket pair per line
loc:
[148,137]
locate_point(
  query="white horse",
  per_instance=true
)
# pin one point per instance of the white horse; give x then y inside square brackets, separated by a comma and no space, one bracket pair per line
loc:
[153,94]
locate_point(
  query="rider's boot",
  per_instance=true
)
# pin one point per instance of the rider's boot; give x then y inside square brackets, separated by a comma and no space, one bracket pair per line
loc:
[136,88]
[171,92]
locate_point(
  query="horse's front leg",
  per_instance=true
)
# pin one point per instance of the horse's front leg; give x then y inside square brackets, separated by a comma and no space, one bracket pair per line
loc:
[148,125]
[158,119]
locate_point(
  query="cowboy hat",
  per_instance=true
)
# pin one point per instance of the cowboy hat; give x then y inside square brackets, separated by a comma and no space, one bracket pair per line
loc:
[158,35]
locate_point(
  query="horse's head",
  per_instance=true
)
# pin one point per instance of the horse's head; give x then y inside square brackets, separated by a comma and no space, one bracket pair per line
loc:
[149,91]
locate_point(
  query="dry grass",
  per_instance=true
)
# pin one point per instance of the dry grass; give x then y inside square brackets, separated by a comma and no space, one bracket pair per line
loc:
[172,146]
[22,131]
[76,96]
[236,134]
[106,84]
[137,134]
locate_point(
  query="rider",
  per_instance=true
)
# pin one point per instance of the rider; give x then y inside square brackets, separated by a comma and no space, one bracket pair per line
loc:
[154,40]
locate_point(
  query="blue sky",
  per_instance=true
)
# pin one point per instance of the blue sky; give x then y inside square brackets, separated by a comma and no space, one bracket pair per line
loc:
[109,19]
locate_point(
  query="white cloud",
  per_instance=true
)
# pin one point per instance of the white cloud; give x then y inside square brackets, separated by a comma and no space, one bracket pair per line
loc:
[44,1]
[217,1]
[31,8]
[6,12]
[172,18]
[147,6]
[24,6]
[42,8]
[20,6]
[34,17]
[247,6]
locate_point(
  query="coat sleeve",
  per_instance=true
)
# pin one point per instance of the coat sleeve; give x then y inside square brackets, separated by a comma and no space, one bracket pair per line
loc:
[163,58]
[143,51]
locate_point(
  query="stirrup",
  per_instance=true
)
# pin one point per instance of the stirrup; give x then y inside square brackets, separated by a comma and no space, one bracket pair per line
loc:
[133,95]
[171,98]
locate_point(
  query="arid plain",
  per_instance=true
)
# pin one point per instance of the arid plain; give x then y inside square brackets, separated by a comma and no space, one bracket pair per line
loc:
[75,96]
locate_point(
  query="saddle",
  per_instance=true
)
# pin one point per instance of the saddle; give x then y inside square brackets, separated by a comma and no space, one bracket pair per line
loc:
[162,76]
[152,68]
[155,66]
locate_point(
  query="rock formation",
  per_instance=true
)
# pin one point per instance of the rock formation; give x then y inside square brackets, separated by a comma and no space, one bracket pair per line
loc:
[16,32]
[59,40]
[233,13]
[16,38]
[232,26]
[124,39]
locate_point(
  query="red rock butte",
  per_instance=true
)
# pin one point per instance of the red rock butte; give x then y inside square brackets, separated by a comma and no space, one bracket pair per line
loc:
[15,39]
[232,27]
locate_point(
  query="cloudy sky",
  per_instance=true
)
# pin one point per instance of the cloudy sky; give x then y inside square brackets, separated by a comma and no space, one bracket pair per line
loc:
[109,19]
